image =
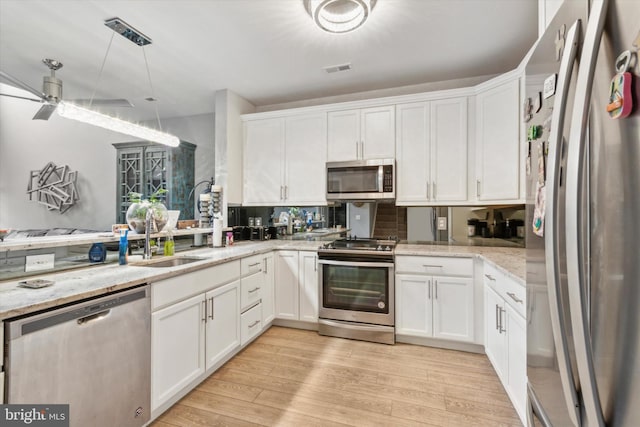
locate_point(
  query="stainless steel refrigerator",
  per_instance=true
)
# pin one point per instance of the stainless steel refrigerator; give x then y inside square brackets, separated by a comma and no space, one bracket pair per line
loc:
[583,201]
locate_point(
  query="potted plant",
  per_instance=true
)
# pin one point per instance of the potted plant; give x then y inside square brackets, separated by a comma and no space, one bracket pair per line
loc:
[137,212]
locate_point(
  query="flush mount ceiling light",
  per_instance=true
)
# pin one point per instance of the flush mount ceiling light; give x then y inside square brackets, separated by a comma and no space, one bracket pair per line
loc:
[86,115]
[339,16]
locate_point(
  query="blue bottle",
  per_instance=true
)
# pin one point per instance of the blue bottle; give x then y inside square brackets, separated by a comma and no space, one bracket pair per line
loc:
[97,253]
[123,249]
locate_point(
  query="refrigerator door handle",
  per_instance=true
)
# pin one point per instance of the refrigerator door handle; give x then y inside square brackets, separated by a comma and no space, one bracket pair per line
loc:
[552,245]
[574,201]
[535,407]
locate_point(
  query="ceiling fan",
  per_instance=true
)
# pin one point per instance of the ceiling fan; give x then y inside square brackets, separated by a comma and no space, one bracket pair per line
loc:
[51,94]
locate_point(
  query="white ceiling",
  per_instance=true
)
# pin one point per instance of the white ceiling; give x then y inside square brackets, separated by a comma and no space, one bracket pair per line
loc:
[268,51]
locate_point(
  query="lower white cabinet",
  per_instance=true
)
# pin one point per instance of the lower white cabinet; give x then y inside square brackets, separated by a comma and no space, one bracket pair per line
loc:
[268,291]
[435,297]
[178,348]
[296,285]
[195,324]
[506,334]
[435,306]
[222,324]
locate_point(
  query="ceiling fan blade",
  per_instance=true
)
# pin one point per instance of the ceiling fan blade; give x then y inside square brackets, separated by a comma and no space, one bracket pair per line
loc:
[108,103]
[45,112]
[22,97]
[22,85]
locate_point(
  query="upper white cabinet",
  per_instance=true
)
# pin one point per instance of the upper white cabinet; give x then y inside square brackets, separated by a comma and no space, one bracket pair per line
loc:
[305,159]
[284,161]
[263,162]
[431,152]
[497,143]
[367,133]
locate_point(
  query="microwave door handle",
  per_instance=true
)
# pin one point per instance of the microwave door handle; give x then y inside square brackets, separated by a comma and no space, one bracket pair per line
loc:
[380,178]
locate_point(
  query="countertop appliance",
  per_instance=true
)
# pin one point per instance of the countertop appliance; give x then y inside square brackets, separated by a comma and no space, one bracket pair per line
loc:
[357,289]
[583,332]
[93,355]
[360,180]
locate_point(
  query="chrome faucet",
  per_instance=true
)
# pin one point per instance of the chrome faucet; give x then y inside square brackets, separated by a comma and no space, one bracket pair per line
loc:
[147,233]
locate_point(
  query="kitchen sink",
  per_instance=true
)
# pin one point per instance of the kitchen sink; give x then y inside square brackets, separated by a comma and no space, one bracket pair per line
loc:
[168,262]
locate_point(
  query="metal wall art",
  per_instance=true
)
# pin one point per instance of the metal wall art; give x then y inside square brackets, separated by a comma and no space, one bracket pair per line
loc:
[54,186]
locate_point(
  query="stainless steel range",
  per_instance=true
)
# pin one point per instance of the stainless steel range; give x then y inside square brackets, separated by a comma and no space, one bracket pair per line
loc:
[357,289]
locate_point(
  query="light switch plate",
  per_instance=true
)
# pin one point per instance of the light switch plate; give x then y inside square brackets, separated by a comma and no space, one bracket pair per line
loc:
[357,217]
[39,262]
[442,223]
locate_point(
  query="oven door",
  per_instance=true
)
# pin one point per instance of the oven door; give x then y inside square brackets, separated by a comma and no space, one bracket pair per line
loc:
[357,291]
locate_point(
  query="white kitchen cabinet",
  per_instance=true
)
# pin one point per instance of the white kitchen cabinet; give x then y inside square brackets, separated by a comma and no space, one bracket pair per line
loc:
[223,322]
[498,143]
[178,348]
[308,298]
[305,160]
[435,297]
[494,339]
[296,286]
[506,333]
[284,160]
[431,152]
[263,162]
[268,293]
[362,134]
[194,326]
[517,356]
[286,285]
[435,306]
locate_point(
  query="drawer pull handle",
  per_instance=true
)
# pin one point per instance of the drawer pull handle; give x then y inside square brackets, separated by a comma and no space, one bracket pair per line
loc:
[490,277]
[254,324]
[254,290]
[514,297]
[431,266]
[255,264]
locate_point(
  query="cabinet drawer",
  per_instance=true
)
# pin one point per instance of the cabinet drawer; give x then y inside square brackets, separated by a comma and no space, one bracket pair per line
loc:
[251,289]
[435,265]
[493,278]
[177,288]
[250,324]
[251,265]
[515,295]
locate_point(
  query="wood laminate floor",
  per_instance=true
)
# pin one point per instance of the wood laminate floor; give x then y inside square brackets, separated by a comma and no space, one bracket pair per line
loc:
[291,377]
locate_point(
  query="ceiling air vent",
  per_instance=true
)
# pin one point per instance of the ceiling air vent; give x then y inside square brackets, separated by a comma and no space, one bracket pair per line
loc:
[337,68]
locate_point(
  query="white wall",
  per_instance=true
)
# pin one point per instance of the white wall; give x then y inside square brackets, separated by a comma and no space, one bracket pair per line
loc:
[27,145]
[228,145]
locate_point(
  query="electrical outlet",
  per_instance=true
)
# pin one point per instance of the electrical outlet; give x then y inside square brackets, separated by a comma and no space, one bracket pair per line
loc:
[442,223]
[39,262]
[357,217]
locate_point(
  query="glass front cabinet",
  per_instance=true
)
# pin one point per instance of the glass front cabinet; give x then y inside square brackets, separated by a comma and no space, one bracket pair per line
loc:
[145,167]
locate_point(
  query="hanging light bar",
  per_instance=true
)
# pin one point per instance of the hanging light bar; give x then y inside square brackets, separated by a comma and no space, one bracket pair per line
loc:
[71,111]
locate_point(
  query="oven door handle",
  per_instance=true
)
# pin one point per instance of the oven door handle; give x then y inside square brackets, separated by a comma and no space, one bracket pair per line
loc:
[356,264]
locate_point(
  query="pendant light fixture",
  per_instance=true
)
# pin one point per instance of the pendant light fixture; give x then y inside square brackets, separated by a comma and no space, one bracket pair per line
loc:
[340,16]
[86,115]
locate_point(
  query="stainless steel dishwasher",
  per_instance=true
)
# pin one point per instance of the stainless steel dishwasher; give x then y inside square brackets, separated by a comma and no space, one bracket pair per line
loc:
[93,355]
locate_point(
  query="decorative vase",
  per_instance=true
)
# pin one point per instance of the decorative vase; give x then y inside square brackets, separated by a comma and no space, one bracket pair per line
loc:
[137,213]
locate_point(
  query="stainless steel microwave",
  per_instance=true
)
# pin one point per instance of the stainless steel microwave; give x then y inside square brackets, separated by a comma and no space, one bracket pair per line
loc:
[361,180]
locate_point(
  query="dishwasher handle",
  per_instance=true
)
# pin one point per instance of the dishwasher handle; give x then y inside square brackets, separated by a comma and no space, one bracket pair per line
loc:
[93,317]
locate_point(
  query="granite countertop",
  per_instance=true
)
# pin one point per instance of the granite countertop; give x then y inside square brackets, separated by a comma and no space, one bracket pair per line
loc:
[512,261]
[79,284]
[93,281]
